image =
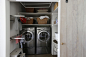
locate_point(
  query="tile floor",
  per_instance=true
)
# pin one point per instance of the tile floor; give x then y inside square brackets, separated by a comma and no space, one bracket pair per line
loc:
[43,55]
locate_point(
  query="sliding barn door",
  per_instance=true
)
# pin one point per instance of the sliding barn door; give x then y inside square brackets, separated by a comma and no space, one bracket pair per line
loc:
[73,28]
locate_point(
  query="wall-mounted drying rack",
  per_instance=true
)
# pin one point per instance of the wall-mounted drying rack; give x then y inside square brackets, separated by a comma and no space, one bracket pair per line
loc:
[17,16]
[13,17]
[17,36]
[36,4]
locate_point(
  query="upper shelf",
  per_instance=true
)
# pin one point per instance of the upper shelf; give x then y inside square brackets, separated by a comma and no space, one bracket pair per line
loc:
[26,13]
[36,25]
[36,4]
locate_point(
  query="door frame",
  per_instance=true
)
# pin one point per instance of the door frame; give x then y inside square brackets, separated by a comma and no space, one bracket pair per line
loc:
[59,20]
[8,26]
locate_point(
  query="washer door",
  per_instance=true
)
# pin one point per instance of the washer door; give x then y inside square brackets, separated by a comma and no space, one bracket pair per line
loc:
[43,36]
[28,36]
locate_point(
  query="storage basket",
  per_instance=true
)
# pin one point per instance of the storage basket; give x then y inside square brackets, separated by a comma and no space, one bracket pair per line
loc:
[31,10]
[42,21]
[29,21]
[55,6]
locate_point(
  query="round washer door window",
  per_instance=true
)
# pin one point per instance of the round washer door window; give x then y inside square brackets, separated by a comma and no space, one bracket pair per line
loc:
[28,36]
[43,36]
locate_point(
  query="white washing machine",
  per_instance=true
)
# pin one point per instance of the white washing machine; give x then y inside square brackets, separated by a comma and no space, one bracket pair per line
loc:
[43,42]
[29,46]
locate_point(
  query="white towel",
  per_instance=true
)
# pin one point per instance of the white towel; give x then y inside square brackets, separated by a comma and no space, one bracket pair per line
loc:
[42,17]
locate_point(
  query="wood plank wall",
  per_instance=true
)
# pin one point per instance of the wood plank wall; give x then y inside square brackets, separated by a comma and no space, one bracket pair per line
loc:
[73,28]
[63,28]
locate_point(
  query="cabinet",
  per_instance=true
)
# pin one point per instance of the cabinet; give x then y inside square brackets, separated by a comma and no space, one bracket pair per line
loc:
[72,28]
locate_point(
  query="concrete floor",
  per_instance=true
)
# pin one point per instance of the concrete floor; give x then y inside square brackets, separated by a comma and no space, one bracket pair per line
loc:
[43,55]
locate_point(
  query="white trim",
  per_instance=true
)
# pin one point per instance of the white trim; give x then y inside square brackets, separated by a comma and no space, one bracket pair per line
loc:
[59,14]
[34,0]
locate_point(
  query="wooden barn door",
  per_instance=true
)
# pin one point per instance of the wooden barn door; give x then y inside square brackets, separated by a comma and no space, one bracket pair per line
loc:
[73,28]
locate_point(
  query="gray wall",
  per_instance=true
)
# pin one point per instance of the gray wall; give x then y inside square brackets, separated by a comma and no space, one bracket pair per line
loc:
[14,9]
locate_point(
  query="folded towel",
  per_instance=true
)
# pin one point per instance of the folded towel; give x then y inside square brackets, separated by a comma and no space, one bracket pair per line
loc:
[42,17]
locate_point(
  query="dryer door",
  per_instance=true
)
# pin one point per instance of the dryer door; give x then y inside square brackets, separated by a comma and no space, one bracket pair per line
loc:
[43,36]
[29,36]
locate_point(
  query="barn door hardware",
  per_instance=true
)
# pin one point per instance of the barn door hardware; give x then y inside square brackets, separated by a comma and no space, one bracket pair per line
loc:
[66,1]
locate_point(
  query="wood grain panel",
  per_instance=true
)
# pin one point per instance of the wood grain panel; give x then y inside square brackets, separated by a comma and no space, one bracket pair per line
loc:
[80,28]
[63,29]
[84,39]
[74,28]
[69,28]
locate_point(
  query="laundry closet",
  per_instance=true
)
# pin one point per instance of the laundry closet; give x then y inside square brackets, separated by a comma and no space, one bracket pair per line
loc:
[34,27]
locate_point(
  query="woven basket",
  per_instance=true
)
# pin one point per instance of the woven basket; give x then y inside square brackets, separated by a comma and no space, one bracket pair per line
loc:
[42,21]
[31,10]
[29,21]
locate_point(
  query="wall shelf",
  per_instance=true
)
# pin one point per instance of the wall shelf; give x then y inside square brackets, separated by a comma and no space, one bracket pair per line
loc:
[25,13]
[37,24]
[36,4]
[55,24]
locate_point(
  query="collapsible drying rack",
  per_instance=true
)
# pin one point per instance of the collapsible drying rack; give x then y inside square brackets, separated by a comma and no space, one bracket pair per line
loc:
[14,37]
